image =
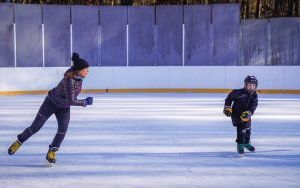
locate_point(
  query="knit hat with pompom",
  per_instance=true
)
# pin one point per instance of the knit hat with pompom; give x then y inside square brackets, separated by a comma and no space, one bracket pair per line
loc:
[78,63]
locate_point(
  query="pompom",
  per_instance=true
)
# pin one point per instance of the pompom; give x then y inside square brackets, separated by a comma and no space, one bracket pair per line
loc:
[75,56]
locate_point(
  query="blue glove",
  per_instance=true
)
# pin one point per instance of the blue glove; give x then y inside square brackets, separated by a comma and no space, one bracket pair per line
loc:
[89,100]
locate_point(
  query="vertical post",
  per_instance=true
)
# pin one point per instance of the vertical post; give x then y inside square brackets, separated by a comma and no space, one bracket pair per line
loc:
[211,32]
[127,45]
[183,44]
[241,58]
[298,44]
[269,57]
[99,38]
[183,35]
[155,63]
[266,42]
[43,44]
[100,44]
[155,46]
[15,44]
[71,41]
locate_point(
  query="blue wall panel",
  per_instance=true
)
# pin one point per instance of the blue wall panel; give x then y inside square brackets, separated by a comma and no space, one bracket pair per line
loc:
[6,35]
[254,50]
[141,36]
[169,20]
[212,36]
[57,35]
[198,48]
[226,34]
[285,41]
[113,22]
[29,35]
[85,32]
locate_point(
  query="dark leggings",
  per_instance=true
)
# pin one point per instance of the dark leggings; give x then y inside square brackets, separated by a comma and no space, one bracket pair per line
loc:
[46,110]
[243,134]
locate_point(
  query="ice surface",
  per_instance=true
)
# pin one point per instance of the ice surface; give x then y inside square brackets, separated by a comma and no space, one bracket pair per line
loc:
[153,140]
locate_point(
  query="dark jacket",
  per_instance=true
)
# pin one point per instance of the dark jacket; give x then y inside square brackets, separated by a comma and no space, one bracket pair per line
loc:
[65,93]
[242,101]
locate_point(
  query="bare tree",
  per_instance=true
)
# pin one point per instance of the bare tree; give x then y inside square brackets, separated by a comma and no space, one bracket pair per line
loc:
[249,8]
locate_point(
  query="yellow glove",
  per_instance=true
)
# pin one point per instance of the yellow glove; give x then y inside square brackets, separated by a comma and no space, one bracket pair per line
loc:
[246,116]
[227,111]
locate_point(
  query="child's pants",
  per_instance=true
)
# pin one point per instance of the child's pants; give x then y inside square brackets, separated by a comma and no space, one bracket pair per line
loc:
[243,133]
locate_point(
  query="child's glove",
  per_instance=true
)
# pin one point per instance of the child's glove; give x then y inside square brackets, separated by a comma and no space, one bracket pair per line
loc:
[227,111]
[246,116]
[89,100]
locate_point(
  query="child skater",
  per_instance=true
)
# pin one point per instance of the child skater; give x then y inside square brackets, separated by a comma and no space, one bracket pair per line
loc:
[58,102]
[244,104]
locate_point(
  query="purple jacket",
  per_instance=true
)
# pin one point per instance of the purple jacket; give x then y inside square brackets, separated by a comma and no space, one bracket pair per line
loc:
[65,93]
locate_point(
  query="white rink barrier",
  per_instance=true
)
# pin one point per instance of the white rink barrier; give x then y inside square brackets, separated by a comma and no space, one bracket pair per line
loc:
[160,77]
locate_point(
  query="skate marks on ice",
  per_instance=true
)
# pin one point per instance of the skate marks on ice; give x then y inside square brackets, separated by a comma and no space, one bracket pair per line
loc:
[153,140]
[181,159]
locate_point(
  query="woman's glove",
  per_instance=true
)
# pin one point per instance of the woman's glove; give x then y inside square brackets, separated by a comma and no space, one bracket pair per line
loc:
[89,100]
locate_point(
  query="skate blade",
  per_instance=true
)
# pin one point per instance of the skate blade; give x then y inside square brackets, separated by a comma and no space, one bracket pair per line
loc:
[49,164]
[241,155]
[253,151]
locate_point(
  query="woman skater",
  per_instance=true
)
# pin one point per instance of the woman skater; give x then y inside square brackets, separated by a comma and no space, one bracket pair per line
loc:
[58,102]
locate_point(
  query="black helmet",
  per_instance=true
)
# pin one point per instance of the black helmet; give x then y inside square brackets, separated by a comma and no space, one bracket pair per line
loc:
[251,80]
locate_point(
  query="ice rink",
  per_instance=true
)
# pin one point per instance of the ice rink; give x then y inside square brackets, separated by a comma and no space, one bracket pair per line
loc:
[153,140]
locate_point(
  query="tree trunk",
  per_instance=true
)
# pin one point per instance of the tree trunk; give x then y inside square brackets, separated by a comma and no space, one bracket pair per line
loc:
[257,11]
[276,8]
[247,10]
[296,8]
[290,8]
